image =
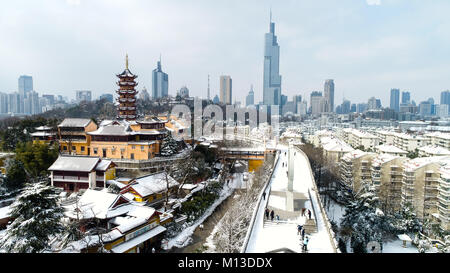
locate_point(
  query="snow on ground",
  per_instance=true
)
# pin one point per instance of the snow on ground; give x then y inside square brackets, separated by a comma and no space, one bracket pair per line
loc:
[184,237]
[284,235]
[397,247]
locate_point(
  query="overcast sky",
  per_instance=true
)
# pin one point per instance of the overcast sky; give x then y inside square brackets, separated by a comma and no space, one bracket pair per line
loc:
[366,46]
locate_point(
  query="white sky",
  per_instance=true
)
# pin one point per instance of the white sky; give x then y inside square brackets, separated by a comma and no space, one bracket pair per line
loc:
[366,46]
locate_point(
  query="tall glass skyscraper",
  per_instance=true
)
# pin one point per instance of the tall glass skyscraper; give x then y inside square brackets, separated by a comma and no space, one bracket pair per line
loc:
[160,83]
[25,85]
[329,95]
[395,100]
[272,77]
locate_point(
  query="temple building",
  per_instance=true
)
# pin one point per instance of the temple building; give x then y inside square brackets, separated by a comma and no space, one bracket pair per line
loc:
[127,94]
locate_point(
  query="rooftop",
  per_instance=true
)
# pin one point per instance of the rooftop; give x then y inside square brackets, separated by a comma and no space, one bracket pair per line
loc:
[75,122]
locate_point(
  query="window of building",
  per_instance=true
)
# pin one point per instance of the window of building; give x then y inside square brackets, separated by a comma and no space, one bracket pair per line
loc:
[133,147]
[65,148]
[132,156]
[95,150]
[142,148]
[74,148]
[82,148]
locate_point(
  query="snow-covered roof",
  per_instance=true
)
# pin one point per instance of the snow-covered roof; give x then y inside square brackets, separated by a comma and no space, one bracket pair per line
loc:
[43,128]
[153,183]
[138,240]
[74,163]
[103,165]
[390,149]
[335,145]
[383,158]
[75,122]
[98,204]
[414,164]
[434,150]
[354,155]
[112,130]
[439,135]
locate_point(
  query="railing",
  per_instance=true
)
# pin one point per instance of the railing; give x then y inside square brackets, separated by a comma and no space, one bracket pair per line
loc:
[71,178]
[255,210]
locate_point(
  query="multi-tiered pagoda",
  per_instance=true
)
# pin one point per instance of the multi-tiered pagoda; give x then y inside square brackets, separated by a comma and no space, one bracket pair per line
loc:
[127,94]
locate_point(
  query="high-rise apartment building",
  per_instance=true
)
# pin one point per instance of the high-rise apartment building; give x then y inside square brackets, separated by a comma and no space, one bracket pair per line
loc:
[226,90]
[272,77]
[160,83]
[329,95]
[395,100]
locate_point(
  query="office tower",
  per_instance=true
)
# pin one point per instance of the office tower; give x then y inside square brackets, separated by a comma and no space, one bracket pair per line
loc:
[226,90]
[406,97]
[25,85]
[345,107]
[442,110]
[378,103]
[50,99]
[395,100]
[317,103]
[329,95]
[250,99]
[361,107]
[302,108]
[271,76]
[353,108]
[83,95]
[183,92]
[372,103]
[297,98]
[144,95]
[425,109]
[107,97]
[160,83]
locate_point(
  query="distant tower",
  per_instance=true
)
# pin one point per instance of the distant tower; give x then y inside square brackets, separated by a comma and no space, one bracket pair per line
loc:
[127,94]
[209,98]
[226,90]
[160,82]
[271,75]
[250,99]
[329,95]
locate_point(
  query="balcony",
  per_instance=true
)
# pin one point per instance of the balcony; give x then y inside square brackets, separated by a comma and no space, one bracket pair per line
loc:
[67,178]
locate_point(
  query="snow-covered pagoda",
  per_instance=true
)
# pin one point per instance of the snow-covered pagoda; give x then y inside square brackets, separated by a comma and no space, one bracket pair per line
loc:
[127,94]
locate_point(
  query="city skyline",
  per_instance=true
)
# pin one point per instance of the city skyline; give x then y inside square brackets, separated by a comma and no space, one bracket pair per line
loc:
[384,48]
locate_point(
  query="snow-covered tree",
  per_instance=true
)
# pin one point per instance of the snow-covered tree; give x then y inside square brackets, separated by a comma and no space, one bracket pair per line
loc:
[406,221]
[169,146]
[37,217]
[365,221]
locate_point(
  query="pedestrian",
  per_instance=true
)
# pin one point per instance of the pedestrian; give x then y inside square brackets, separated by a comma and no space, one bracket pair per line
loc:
[272,215]
[303,211]
[267,213]
[305,244]
[153,250]
[299,229]
[278,217]
[264,195]
[309,214]
[303,234]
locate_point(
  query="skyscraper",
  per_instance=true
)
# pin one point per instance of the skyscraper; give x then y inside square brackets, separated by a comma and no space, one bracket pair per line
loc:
[329,95]
[395,100]
[272,78]
[250,99]
[160,83]
[226,90]
[406,98]
[83,95]
[25,85]
[445,97]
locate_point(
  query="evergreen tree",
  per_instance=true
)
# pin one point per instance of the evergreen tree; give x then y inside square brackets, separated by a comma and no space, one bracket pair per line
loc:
[406,221]
[37,217]
[15,175]
[36,158]
[365,220]
[169,146]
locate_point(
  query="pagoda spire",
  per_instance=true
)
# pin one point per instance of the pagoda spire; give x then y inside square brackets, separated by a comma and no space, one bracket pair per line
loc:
[126,61]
